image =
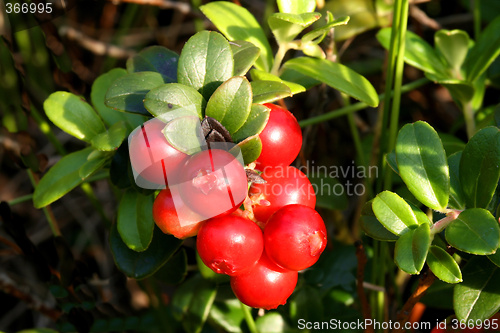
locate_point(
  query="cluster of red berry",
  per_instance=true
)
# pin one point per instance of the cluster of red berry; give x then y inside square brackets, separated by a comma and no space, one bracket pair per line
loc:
[262,247]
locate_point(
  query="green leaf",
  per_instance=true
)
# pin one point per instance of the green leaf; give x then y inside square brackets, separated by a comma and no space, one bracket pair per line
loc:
[474,231]
[264,76]
[422,164]
[306,304]
[175,270]
[173,100]
[185,134]
[372,227]
[480,167]
[394,213]
[206,61]
[230,104]
[139,265]
[392,161]
[61,178]
[250,148]
[254,124]
[208,273]
[95,161]
[453,46]
[297,78]
[269,91]
[286,26]
[271,322]
[73,115]
[111,139]
[199,306]
[418,53]
[456,200]
[318,34]
[451,143]
[478,296]
[183,295]
[296,6]
[337,76]
[330,193]
[495,258]
[419,214]
[244,55]
[228,315]
[135,220]
[127,92]
[411,249]
[443,265]
[484,52]
[98,94]
[237,23]
[155,59]
[461,91]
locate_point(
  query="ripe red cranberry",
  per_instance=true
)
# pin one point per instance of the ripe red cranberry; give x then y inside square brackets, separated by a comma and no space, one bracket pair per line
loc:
[213,183]
[230,244]
[151,155]
[265,286]
[295,237]
[281,139]
[175,218]
[284,185]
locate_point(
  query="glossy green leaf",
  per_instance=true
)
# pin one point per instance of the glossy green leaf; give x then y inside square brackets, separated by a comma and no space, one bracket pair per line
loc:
[295,88]
[230,104]
[318,34]
[391,160]
[418,53]
[127,92]
[474,231]
[199,306]
[139,265]
[313,50]
[443,265]
[73,115]
[271,322]
[228,315]
[419,214]
[135,220]
[244,55]
[155,59]
[254,124]
[237,23]
[111,139]
[422,164]
[250,148]
[206,61]
[484,52]
[296,6]
[451,143]
[95,161]
[478,296]
[394,213]
[306,304]
[330,193]
[372,227]
[98,95]
[173,100]
[183,295]
[269,91]
[480,167]
[495,258]
[286,26]
[411,249]
[175,270]
[185,134]
[60,179]
[337,76]
[456,200]
[453,46]
[461,91]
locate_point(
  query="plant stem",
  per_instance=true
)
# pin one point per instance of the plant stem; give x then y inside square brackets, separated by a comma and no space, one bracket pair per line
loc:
[444,222]
[362,260]
[249,319]
[278,58]
[21,199]
[358,106]
[470,124]
[476,12]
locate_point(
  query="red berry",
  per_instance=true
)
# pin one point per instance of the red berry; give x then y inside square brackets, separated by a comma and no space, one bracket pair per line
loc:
[230,244]
[284,186]
[175,218]
[281,139]
[295,237]
[151,155]
[265,286]
[213,183]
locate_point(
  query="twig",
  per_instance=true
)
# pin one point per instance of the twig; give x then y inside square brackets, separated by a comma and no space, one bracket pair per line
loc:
[182,7]
[425,282]
[362,260]
[95,46]
[419,15]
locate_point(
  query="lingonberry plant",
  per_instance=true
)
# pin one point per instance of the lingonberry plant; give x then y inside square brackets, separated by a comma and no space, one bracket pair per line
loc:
[219,214]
